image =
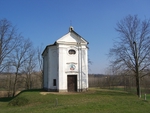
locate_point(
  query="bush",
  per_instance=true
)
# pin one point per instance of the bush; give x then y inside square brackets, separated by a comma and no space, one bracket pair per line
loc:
[18,101]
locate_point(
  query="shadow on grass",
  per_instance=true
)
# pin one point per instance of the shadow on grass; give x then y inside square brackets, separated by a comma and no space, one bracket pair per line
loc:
[30,90]
[7,99]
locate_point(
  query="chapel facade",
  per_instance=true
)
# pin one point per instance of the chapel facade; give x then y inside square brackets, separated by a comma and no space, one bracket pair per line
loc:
[65,64]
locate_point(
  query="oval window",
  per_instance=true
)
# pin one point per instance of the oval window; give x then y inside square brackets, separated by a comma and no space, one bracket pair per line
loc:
[72,52]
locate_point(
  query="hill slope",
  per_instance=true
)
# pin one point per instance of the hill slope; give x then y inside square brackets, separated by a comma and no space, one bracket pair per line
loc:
[93,101]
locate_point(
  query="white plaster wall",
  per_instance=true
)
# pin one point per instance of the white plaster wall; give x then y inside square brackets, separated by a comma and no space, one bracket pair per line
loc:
[86,71]
[84,68]
[57,61]
[82,77]
[45,66]
[53,67]
[62,78]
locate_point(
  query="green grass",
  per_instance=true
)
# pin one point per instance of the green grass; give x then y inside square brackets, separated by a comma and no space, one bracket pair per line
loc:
[93,101]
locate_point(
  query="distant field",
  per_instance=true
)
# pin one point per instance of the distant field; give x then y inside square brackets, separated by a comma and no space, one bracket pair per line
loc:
[3,93]
[93,101]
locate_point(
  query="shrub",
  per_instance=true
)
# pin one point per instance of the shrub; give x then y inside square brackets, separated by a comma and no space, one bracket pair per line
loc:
[18,101]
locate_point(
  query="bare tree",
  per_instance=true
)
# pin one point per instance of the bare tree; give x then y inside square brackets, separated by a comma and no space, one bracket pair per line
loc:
[40,62]
[9,80]
[8,41]
[89,63]
[29,67]
[19,57]
[132,50]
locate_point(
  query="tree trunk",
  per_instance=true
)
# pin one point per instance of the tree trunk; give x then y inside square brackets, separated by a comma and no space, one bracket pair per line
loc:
[14,86]
[15,82]
[138,86]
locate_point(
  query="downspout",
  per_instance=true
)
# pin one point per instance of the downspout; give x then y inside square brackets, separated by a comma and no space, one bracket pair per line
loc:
[78,67]
[81,68]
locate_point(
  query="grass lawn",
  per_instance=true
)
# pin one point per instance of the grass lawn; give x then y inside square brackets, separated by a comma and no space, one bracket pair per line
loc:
[93,101]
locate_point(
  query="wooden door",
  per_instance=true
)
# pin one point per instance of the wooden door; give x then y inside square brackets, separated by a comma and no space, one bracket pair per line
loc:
[72,83]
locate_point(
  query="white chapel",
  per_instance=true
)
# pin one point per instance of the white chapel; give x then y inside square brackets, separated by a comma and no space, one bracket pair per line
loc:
[65,64]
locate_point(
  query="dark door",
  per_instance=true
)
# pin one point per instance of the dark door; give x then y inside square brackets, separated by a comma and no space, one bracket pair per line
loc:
[72,83]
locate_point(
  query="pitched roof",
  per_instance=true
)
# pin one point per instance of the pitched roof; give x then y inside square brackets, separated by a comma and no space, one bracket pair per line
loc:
[47,47]
[75,36]
[70,31]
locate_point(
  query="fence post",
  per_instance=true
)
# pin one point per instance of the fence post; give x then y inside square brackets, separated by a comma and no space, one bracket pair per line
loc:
[145,97]
[56,102]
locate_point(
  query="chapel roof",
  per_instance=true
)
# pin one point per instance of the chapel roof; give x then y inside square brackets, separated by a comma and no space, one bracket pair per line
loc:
[71,30]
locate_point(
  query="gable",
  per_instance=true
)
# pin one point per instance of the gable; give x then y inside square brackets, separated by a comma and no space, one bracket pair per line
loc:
[72,37]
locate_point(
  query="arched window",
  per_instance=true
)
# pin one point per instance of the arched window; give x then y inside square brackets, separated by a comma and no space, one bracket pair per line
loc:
[72,52]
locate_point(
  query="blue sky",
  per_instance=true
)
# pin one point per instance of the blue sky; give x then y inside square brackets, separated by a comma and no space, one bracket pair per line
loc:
[44,21]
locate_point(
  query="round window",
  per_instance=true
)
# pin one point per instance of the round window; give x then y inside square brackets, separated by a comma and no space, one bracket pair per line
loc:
[72,52]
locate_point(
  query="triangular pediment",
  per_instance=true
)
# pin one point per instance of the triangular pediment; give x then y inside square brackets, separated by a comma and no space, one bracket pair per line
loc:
[71,37]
